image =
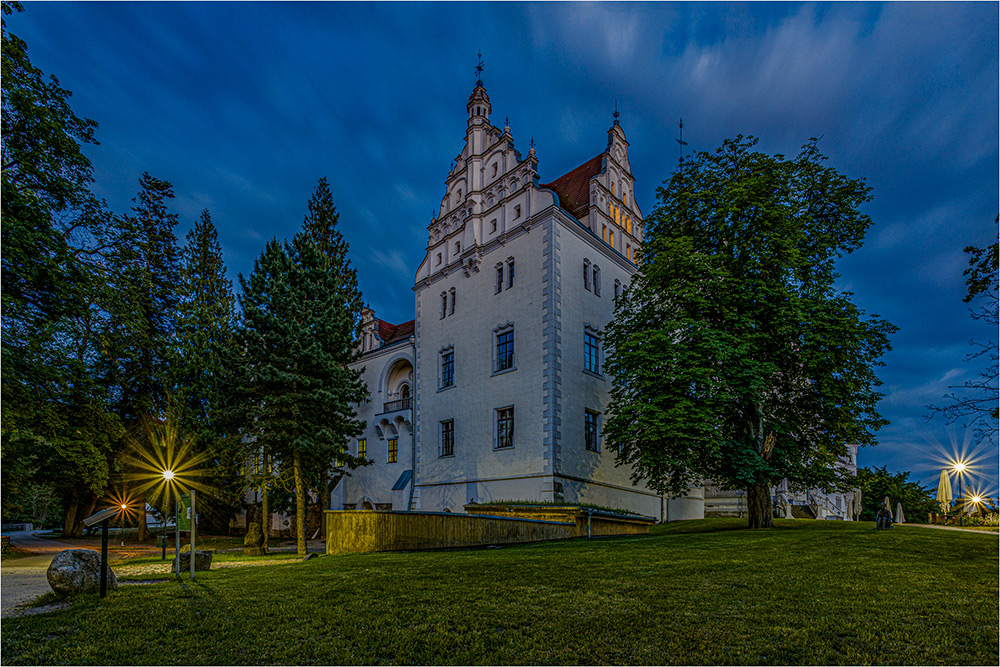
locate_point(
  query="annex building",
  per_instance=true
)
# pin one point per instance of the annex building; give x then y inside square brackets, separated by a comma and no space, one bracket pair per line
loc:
[496,389]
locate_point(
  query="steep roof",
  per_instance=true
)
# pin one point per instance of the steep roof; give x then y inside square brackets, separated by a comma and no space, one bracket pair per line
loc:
[390,333]
[573,188]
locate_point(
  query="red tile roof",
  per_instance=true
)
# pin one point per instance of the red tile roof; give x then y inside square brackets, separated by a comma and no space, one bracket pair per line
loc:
[573,188]
[390,333]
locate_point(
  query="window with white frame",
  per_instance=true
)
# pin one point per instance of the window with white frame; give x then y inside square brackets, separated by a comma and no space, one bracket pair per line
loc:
[504,427]
[447,368]
[448,438]
[504,349]
[590,430]
[591,352]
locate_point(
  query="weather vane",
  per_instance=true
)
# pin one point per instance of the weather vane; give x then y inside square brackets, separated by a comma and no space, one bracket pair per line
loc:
[615,112]
[479,69]
[681,143]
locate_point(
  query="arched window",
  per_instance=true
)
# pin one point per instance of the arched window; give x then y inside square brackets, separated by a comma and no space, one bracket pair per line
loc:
[404,392]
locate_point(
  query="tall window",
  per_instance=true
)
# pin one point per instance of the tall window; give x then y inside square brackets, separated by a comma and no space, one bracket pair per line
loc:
[591,353]
[604,233]
[499,285]
[597,281]
[590,430]
[362,448]
[448,438]
[611,238]
[505,427]
[451,310]
[510,272]
[628,252]
[392,450]
[447,368]
[618,288]
[586,275]
[505,350]
[444,304]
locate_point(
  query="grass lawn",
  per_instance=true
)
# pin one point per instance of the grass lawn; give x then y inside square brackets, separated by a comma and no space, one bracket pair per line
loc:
[702,592]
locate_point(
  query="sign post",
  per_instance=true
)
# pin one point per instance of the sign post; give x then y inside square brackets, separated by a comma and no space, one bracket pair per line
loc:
[194,522]
[104,516]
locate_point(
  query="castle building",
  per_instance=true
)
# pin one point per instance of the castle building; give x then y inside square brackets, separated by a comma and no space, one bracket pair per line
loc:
[497,389]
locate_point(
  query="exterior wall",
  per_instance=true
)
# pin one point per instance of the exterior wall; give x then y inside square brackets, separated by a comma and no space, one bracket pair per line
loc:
[478,470]
[385,371]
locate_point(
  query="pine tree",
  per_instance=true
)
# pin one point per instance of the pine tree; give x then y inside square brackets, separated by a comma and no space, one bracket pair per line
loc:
[301,311]
[143,278]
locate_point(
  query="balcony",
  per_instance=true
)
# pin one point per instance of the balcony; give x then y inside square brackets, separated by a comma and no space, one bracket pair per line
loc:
[401,404]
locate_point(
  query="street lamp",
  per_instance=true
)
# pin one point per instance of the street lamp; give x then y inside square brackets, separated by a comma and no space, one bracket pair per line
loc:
[959,467]
[124,510]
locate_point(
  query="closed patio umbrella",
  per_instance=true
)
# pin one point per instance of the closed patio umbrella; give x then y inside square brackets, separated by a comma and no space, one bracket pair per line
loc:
[857,503]
[888,505]
[944,492]
[899,513]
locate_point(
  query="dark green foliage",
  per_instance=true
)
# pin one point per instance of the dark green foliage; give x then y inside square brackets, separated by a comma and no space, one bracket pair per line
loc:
[301,316]
[877,483]
[57,426]
[734,357]
[691,593]
[145,277]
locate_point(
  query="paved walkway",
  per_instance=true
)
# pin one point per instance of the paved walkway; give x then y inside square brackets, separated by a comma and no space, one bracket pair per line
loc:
[938,527]
[23,579]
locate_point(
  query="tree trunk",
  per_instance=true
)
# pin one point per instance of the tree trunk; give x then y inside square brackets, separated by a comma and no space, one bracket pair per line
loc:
[265,513]
[69,519]
[300,504]
[142,532]
[759,511]
[324,492]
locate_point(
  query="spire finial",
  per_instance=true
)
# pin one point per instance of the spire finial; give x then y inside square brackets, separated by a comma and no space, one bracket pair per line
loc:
[681,143]
[615,112]
[531,144]
[479,69]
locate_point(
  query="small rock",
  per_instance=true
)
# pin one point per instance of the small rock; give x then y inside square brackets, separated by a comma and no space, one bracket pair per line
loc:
[202,561]
[78,571]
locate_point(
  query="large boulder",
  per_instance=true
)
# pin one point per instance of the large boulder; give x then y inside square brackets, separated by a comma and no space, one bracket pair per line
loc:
[202,561]
[78,571]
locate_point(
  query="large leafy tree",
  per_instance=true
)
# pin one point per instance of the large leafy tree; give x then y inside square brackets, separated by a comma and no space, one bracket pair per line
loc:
[975,403]
[301,316]
[735,358]
[55,233]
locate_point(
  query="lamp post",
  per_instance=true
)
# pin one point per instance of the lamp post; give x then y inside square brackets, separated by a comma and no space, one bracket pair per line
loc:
[168,476]
[124,509]
[958,468]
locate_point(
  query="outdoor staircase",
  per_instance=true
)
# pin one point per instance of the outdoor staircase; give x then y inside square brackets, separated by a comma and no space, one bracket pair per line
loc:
[802,512]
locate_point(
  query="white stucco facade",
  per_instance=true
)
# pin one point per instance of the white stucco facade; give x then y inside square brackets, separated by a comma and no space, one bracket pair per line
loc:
[504,360]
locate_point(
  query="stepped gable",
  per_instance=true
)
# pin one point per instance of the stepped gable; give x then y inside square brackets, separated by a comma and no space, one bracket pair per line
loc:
[573,188]
[390,333]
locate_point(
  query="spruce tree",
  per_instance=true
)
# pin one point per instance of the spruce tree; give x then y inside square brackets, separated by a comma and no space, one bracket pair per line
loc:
[302,311]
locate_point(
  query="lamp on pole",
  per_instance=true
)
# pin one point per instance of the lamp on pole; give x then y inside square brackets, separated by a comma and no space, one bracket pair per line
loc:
[959,467]
[168,476]
[124,509]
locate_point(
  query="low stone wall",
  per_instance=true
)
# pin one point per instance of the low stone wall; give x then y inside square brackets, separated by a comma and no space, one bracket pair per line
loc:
[361,531]
[594,523]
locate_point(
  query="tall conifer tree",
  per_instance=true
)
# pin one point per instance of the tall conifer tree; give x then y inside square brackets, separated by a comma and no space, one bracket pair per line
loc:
[302,311]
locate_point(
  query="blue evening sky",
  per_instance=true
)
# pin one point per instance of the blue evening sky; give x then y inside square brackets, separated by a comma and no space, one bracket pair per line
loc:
[244,106]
